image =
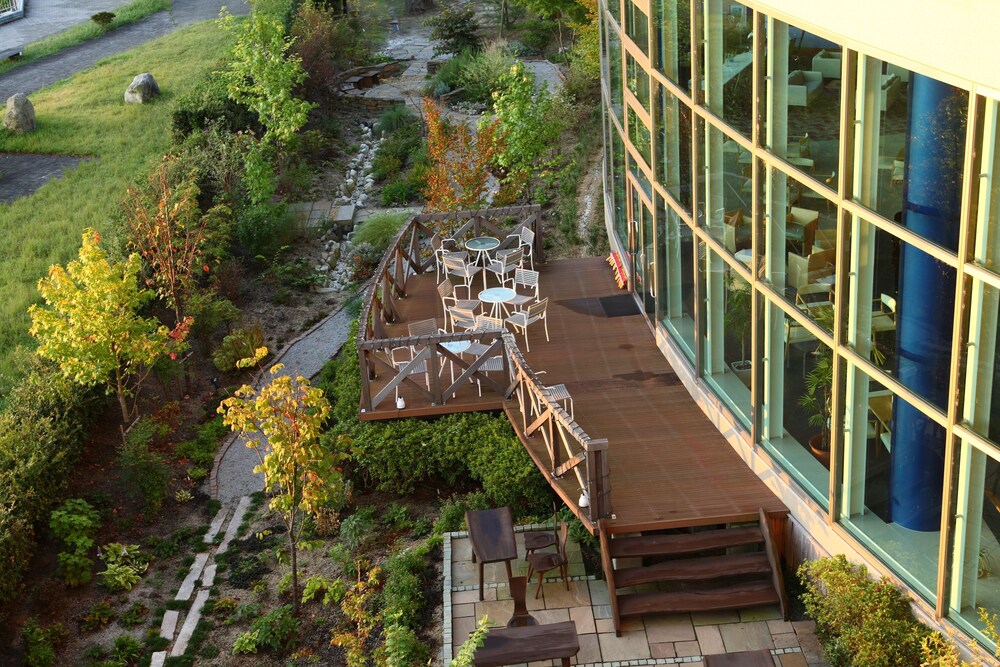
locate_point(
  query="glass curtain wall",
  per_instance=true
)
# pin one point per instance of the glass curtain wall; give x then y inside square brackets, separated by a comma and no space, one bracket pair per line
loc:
[859,278]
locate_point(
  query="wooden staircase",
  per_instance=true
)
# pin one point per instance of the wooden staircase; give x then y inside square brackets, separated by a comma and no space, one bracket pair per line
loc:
[727,565]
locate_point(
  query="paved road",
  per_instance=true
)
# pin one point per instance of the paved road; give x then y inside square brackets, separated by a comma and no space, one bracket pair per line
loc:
[21,174]
[44,18]
[36,75]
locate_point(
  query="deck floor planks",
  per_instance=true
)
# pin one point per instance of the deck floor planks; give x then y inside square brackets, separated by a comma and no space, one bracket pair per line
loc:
[668,461]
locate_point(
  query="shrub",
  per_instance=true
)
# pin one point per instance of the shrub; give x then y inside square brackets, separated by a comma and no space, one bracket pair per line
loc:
[98,616]
[40,643]
[260,228]
[452,516]
[274,631]
[364,260]
[860,621]
[481,75]
[395,118]
[355,529]
[209,105]
[75,523]
[146,471]
[455,30]
[134,615]
[380,229]
[201,448]
[103,19]
[125,565]
[240,344]
[400,192]
[385,166]
[538,34]
[126,651]
[327,591]
[402,646]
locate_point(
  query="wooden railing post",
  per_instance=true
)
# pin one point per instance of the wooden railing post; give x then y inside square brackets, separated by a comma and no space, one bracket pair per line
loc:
[366,391]
[599,479]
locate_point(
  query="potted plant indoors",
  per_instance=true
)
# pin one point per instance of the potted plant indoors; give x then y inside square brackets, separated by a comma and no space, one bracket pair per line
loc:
[737,321]
[817,399]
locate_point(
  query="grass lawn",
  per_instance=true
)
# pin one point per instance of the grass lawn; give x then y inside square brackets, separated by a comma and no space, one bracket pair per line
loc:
[86,115]
[130,13]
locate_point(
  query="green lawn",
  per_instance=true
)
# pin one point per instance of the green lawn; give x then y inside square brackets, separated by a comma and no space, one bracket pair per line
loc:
[86,116]
[130,13]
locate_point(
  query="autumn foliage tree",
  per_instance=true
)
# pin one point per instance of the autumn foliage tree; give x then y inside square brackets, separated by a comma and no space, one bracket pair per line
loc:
[303,475]
[460,161]
[90,325]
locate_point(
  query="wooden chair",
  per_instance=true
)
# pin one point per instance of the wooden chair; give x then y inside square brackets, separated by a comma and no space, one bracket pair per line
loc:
[542,539]
[518,592]
[547,561]
[535,312]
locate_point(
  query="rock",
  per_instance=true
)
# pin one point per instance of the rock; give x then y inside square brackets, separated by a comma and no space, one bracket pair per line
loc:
[20,116]
[361,200]
[142,89]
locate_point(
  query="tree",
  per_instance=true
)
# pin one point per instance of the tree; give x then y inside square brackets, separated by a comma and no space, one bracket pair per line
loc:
[527,127]
[557,10]
[262,75]
[455,30]
[302,475]
[460,161]
[90,327]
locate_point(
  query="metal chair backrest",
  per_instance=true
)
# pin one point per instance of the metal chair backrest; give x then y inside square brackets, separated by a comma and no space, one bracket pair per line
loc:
[422,327]
[453,263]
[513,258]
[488,323]
[446,288]
[462,317]
[527,237]
[537,309]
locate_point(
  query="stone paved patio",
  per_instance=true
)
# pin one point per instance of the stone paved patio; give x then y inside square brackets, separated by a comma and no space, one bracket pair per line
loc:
[652,640]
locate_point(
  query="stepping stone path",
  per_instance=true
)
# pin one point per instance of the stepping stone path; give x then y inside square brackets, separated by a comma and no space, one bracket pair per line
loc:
[200,578]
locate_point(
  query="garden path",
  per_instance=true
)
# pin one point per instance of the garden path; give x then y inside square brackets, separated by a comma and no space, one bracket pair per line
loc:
[44,72]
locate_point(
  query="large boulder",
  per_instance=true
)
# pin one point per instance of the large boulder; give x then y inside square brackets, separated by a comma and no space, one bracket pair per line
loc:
[20,116]
[142,89]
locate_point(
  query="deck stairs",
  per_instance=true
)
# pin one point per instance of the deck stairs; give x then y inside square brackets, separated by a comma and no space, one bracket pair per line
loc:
[729,564]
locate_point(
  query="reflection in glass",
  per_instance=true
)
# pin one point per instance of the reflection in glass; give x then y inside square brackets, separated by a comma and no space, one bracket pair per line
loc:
[618,172]
[637,80]
[805,92]
[728,67]
[615,70]
[636,26]
[672,121]
[728,191]
[672,34]
[675,256]
[638,134]
[730,323]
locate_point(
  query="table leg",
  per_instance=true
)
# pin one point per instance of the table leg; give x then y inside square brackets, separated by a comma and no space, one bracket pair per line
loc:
[510,573]
[481,564]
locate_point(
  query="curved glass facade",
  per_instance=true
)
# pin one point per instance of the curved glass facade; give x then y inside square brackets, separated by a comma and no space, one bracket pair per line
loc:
[816,229]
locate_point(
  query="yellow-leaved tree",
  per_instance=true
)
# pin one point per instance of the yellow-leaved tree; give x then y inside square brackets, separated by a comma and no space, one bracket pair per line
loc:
[90,325]
[302,474]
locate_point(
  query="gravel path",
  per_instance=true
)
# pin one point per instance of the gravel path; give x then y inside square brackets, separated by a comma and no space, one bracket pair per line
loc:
[23,173]
[36,75]
[233,476]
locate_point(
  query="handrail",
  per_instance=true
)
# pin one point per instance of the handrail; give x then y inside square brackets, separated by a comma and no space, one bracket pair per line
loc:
[569,448]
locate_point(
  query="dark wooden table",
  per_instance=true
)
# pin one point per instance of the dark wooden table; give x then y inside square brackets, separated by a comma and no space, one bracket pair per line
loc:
[514,646]
[761,658]
[491,533]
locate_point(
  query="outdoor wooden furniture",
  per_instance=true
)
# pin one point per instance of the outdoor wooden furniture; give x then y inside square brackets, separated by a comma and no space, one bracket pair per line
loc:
[540,539]
[550,560]
[518,592]
[519,645]
[491,533]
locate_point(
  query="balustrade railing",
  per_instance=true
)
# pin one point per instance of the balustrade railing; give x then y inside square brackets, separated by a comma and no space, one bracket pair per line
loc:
[10,9]
[499,367]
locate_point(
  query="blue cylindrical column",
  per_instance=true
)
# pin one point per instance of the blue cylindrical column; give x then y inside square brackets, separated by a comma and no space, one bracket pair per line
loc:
[925,304]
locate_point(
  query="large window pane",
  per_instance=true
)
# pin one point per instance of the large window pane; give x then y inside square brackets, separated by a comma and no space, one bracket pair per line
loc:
[982,364]
[672,123]
[728,63]
[636,26]
[729,321]
[614,9]
[638,134]
[798,381]
[672,36]
[637,80]
[805,93]
[676,298]
[891,498]
[615,80]
[618,181]
[726,185]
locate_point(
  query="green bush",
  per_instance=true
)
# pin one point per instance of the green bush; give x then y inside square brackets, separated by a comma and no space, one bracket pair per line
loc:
[103,19]
[402,647]
[538,34]
[380,229]
[481,75]
[40,643]
[125,564]
[274,631]
[455,30]
[75,523]
[399,192]
[260,228]
[200,449]
[355,529]
[240,344]
[126,651]
[401,145]
[208,104]
[395,118]
[323,589]
[385,167]
[145,470]
[452,515]
[364,259]
[99,615]
[861,621]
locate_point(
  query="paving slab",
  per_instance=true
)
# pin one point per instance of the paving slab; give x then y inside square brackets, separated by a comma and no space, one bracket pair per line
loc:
[169,624]
[190,623]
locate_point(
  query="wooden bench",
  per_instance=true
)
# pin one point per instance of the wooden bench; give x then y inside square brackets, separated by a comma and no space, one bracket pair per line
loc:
[515,646]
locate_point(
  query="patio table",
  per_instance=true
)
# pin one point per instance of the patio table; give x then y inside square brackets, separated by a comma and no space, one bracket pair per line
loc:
[497,296]
[491,533]
[482,245]
[534,643]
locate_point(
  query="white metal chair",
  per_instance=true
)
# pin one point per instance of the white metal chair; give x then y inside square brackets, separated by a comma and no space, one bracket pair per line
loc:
[461,318]
[526,242]
[560,394]
[504,266]
[447,291]
[401,357]
[455,265]
[495,363]
[442,247]
[535,312]
[527,279]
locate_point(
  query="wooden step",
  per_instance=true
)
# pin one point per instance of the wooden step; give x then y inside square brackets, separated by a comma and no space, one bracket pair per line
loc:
[684,543]
[734,596]
[695,569]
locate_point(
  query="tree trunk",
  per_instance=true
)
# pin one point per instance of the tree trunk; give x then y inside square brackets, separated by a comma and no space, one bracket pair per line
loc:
[178,318]
[120,391]
[292,547]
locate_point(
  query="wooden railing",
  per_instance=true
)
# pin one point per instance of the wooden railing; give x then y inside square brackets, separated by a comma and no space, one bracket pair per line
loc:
[568,449]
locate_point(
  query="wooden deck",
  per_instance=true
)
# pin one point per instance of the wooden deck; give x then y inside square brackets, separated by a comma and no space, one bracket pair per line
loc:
[670,467]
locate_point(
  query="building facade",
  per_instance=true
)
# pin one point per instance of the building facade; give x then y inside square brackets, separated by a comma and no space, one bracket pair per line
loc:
[806,197]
